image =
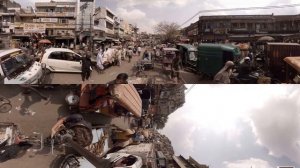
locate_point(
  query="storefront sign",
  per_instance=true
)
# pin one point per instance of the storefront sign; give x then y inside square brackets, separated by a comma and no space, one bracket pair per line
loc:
[34,28]
[49,20]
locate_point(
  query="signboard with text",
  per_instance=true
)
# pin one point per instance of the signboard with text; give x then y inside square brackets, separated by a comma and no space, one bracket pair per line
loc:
[49,20]
[34,28]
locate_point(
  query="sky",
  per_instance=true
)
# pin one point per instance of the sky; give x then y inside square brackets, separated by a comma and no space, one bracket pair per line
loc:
[148,13]
[239,126]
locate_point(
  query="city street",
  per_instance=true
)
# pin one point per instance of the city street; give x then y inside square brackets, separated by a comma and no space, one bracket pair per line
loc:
[32,114]
[156,75]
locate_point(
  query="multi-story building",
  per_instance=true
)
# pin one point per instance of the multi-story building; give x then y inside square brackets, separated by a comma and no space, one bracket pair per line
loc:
[247,27]
[8,11]
[59,18]
[181,162]
[56,20]
[171,98]
[106,24]
[191,32]
[119,27]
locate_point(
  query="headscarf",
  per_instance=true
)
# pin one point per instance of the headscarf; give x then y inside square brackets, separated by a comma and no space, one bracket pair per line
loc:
[219,77]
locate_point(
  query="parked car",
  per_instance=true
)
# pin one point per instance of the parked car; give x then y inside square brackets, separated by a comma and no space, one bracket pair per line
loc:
[62,60]
[18,68]
[116,160]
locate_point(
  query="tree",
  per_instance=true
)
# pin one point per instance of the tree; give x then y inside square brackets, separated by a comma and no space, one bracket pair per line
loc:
[168,31]
[160,120]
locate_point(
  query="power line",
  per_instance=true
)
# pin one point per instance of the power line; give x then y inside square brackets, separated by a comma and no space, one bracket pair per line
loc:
[189,89]
[238,9]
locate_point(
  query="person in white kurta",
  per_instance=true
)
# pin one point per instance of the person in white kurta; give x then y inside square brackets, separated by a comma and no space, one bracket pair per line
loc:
[100,60]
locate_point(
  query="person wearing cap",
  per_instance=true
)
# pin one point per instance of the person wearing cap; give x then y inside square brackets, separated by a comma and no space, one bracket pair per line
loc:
[245,68]
[223,76]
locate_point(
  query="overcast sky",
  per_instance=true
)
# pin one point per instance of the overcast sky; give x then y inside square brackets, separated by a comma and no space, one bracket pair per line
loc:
[147,13]
[238,126]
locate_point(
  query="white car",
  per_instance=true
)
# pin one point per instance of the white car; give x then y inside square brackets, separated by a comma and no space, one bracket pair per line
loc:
[17,68]
[117,160]
[62,60]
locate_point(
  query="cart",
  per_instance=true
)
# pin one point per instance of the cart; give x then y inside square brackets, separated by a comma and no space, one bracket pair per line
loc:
[168,55]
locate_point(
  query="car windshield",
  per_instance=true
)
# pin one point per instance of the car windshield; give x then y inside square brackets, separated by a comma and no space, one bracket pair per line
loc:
[15,65]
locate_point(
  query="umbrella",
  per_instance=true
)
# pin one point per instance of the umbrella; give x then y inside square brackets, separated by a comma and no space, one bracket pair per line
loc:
[44,41]
[266,38]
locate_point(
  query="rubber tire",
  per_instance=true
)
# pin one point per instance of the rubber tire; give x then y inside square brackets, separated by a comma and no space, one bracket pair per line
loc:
[6,107]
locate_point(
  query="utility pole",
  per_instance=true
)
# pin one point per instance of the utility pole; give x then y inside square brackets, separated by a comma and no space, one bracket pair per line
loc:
[82,9]
[91,33]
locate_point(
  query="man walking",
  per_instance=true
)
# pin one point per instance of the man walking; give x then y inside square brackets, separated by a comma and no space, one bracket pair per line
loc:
[100,66]
[86,67]
[129,54]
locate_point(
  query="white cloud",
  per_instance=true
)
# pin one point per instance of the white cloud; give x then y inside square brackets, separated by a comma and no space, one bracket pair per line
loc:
[138,17]
[276,126]
[132,15]
[216,112]
[249,163]
[154,3]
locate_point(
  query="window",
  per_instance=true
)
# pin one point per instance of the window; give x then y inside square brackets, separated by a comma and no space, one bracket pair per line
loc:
[242,25]
[56,55]
[234,25]
[64,21]
[72,57]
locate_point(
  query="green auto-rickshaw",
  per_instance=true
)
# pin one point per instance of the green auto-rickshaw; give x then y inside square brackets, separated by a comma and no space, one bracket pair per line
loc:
[212,57]
[188,55]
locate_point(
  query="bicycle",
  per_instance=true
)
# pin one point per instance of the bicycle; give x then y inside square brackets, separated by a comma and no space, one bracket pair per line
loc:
[5,105]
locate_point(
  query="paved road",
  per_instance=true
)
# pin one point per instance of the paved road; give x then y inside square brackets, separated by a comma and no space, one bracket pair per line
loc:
[32,114]
[154,76]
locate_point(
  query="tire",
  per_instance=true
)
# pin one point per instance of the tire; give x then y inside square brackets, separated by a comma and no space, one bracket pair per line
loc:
[6,107]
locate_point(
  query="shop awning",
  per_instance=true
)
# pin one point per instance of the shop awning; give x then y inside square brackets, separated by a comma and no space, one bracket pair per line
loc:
[99,39]
[20,36]
[64,38]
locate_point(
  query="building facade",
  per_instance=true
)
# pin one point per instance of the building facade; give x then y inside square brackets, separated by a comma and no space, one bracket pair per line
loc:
[181,162]
[8,17]
[171,98]
[247,27]
[55,20]
[191,32]
[105,22]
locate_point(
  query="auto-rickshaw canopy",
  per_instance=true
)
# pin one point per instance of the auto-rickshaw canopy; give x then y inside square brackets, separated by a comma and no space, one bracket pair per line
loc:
[188,47]
[170,50]
[127,96]
[293,62]
[212,57]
